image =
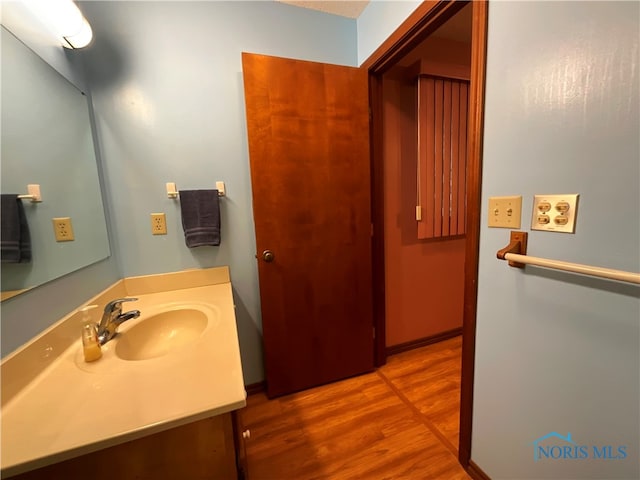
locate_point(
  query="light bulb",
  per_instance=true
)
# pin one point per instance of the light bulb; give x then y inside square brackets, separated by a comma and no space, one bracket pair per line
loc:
[64,19]
[82,38]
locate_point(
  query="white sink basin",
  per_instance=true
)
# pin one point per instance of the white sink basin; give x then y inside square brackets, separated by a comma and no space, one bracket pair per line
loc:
[160,334]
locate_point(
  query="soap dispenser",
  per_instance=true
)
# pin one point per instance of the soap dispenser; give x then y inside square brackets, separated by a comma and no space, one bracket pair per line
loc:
[90,344]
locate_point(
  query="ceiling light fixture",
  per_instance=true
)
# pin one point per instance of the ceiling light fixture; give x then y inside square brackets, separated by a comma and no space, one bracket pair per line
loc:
[64,19]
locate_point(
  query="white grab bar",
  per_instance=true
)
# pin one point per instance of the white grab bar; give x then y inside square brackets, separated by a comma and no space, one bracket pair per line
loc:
[575,268]
[515,254]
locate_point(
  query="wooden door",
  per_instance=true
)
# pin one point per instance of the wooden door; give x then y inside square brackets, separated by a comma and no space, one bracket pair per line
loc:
[308,128]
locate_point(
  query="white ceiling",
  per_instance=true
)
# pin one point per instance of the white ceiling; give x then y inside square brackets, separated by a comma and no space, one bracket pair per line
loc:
[344,8]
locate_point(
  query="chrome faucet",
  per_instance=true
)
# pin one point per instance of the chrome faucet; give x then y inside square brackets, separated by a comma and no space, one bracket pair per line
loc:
[113,317]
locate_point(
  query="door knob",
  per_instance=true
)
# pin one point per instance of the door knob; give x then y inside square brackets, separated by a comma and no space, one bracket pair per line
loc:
[268,256]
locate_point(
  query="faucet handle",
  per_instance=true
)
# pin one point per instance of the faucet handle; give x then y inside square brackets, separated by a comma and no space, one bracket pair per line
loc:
[116,304]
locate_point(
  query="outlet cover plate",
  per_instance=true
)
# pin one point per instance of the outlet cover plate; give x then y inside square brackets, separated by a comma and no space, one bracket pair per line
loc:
[63,229]
[505,212]
[158,224]
[555,213]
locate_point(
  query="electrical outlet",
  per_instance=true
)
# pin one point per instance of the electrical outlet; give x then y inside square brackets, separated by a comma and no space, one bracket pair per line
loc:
[158,224]
[63,229]
[555,213]
[505,212]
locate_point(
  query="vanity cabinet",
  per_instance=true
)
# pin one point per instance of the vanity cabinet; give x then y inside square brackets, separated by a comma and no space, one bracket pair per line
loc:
[162,417]
[205,449]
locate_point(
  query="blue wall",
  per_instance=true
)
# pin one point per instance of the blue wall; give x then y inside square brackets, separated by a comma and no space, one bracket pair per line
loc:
[379,20]
[166,83]
[559,352]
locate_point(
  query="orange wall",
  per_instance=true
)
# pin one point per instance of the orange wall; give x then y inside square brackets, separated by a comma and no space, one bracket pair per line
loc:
[423,278]
[439,56]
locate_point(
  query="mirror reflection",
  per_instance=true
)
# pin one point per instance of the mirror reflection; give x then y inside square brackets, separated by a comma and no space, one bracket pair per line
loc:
[46,139]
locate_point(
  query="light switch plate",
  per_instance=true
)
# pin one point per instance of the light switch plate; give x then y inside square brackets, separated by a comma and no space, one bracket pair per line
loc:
[505,212]
[555,213]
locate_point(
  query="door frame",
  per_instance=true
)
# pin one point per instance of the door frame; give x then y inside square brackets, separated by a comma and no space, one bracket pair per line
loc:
[429,16]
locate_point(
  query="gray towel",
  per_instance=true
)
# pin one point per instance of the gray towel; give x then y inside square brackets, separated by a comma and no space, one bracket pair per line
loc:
[200,217]
[15,241]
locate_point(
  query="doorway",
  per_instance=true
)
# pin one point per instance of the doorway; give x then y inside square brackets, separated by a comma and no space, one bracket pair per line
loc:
[427,18]
[425,115]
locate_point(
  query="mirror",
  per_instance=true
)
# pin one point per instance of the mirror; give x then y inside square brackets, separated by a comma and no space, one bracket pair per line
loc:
[46,139]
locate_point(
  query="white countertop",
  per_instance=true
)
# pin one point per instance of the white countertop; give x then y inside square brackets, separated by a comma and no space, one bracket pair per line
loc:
[72,407]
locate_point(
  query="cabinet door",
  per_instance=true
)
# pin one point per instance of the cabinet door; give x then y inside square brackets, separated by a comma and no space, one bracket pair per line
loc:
[241,436]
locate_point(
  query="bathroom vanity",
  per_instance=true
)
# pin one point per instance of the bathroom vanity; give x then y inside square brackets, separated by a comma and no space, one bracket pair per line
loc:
[160,403]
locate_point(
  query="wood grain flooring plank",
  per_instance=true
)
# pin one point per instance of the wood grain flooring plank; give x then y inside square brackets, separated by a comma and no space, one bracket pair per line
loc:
[429,378]
[399,422]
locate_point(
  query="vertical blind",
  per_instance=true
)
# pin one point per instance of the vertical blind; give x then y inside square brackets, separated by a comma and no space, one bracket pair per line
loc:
[442,156]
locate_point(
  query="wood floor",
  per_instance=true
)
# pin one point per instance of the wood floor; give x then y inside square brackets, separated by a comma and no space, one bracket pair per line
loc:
[400,422]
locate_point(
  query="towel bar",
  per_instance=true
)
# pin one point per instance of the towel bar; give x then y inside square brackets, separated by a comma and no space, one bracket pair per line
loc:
[33,195]
[172,191]
[515,254]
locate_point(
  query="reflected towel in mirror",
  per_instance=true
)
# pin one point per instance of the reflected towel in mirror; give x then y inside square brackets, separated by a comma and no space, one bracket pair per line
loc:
[15,241]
